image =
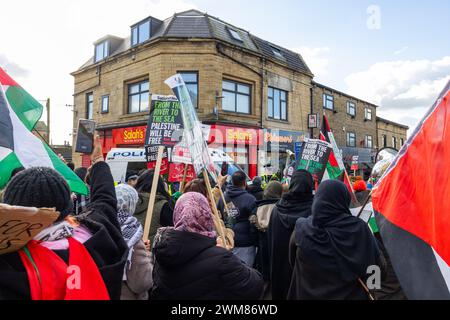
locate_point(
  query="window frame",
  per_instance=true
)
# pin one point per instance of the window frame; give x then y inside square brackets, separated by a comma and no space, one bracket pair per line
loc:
[348,140]
[89,105]
[236,93]
[351,103]
[269,98]
[103,111]
[402,142]
[366,141]
[384,138]
[139,93]
[277,53]
[137,26]
[234,34]
[368,111]
[325,99]
[394,142]
[105,47]
[190,82]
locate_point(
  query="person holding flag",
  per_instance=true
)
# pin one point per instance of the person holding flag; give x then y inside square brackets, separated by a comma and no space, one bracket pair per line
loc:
[89,248]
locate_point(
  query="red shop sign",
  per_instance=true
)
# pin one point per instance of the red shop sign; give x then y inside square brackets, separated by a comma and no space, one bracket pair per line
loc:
[129,135]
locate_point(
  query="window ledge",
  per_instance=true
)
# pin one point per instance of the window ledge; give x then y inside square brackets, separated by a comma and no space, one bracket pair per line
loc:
[136,114]
[278,120]
[226,112]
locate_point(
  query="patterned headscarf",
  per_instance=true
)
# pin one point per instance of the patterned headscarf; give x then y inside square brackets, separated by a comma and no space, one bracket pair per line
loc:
[127,198]
[193,214]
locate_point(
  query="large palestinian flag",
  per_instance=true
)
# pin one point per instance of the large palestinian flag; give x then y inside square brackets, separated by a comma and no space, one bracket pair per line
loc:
[19,112]
[412,206]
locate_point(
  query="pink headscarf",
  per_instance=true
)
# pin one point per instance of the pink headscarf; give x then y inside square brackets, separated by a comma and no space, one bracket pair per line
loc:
[193,214]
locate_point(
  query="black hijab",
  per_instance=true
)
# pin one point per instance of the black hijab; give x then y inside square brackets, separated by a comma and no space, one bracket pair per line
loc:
[334,240]
[300,192]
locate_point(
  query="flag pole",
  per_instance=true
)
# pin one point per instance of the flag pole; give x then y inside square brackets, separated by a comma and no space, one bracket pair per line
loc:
[365,204]
[151,201]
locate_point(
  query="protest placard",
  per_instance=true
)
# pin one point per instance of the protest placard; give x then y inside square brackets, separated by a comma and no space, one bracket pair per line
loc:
[164,129]
[18,225]
[314,157]
[198,147]
[179,172]
[196,143]
[355,162]
[165,125]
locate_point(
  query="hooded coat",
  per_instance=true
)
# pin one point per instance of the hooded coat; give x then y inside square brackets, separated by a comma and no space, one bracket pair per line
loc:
[293,205]
[106,246]
[245,234]
[332,249]
[138,269]
[256,189]
[190,266]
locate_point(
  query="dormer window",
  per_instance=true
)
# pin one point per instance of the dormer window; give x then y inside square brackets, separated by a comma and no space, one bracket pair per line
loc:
[101,51]
[234,34]
[140,32]
[277,53]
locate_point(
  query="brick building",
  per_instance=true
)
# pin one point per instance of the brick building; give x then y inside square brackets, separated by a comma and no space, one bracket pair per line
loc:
[252,93]
[240,84]
[352,120]
[390,134]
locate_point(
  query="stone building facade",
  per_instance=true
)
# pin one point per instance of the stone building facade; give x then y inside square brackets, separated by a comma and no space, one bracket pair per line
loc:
[240,83]
[253,94]
[391,134]
[352,120]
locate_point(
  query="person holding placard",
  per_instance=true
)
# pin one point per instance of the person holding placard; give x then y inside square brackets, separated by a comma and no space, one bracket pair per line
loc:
[163,207]
[191,264]
[294,204]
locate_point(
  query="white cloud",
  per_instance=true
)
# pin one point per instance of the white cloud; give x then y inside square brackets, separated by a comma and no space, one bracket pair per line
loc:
[400,51]
[51,38]
[316,58]
[404,90]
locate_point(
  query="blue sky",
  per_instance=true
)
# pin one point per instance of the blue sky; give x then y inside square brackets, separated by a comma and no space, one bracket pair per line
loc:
[341,26]
[401,66]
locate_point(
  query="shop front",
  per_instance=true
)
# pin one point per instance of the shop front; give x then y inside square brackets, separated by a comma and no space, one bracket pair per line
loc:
[365,162]
[274,149]
[127,137]
[239,143]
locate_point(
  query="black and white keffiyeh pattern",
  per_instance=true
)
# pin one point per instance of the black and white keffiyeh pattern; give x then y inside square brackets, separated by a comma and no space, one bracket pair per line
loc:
[127,198]
[55,232]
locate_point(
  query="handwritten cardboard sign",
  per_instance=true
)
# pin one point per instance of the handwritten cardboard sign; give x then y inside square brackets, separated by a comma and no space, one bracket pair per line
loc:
[18,225]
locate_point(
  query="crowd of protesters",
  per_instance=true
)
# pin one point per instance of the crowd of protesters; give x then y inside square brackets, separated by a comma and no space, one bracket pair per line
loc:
[294,243]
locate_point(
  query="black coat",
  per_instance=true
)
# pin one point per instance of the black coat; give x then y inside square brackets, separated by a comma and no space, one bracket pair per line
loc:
[262,255]
[189,266]
[245,234]
[295,204]
[106,246]
[256,191]
[332,249]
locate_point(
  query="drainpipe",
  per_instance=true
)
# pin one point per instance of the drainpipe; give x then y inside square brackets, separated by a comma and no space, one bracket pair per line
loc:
[311,130]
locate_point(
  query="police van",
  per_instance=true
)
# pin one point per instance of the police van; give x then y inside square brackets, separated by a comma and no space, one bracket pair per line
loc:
[123,160]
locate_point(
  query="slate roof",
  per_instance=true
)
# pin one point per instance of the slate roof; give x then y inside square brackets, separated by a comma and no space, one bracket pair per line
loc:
[196,24]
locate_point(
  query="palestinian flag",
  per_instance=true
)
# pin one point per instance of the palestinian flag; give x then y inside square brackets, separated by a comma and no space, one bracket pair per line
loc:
[412,206]
[19,112]
[335,167]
